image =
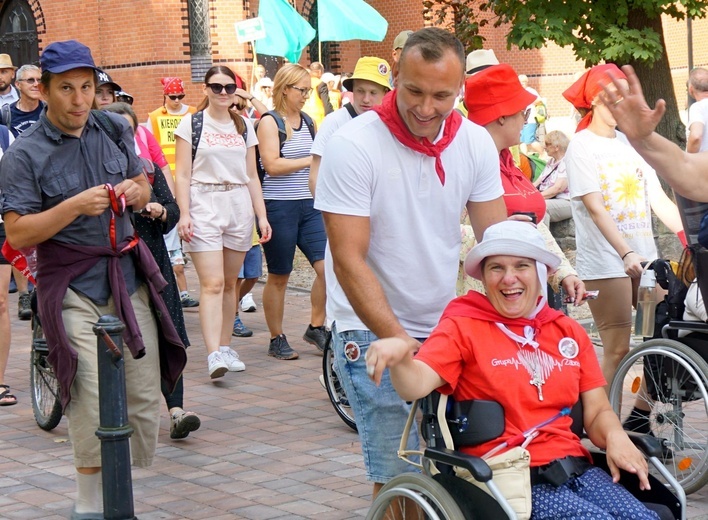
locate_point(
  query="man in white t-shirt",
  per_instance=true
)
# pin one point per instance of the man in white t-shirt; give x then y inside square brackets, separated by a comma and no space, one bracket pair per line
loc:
[391,188]
[698,112]
[368,84]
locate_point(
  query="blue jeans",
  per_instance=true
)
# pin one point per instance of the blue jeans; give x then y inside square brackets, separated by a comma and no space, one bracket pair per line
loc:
[591,495]
[252,264]
[380,413]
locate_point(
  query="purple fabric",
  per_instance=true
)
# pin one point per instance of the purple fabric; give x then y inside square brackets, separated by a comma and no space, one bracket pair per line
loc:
[59,263]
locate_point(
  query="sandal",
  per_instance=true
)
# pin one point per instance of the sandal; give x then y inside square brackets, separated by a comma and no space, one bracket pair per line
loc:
[182,423]
[6,398]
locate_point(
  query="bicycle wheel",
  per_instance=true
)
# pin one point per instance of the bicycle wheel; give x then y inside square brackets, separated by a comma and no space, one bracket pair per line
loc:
[671,379]
[46,404]
[414,497]
[334,389]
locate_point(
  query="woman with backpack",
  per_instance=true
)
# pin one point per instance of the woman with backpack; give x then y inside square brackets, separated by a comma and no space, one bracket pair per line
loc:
[218,192]
[285,137]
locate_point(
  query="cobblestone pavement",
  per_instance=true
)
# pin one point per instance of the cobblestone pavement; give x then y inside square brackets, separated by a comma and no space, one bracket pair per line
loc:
[270,445]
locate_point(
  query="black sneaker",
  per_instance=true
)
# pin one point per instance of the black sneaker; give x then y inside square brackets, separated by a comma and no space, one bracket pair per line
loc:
[317,336]
[280,349]
[24,309]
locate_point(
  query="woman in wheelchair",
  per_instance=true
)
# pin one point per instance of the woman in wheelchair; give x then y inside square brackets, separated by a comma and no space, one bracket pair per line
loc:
[510,347]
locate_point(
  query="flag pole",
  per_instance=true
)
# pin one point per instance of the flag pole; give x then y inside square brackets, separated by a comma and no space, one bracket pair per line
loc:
[255,65]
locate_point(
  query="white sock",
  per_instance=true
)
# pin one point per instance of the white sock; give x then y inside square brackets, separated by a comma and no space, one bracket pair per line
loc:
[224,348]
[183,294]
[89,497]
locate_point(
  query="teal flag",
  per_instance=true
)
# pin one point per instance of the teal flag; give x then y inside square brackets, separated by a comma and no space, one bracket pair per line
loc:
[287,33]
[341,20]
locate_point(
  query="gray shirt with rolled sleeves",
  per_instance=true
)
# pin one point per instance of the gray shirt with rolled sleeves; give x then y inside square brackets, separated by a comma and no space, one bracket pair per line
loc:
[46,166]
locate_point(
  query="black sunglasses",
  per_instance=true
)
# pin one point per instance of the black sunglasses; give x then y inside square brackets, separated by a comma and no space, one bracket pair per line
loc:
[177,97]
[218,88]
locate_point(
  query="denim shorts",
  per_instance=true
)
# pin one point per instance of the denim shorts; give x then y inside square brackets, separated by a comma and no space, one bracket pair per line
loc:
[252,264]
[294,223]
[380,413]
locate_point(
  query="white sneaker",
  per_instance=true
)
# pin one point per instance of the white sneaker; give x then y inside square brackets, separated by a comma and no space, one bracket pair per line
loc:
[247,303]
[217,365]
[232,361]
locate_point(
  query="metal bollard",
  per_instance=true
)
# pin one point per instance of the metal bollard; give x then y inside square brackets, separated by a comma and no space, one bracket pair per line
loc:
[114,431]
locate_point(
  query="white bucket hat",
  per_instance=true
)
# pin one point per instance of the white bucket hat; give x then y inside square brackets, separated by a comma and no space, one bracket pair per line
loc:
[514,238]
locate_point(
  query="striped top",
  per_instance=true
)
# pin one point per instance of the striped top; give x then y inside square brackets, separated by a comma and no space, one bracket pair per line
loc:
[292,186]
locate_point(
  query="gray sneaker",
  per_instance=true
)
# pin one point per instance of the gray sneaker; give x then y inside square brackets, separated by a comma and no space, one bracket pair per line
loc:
[317,336]
[280,349]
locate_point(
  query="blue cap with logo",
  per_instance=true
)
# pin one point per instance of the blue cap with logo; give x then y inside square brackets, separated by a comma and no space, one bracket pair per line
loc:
[60,57]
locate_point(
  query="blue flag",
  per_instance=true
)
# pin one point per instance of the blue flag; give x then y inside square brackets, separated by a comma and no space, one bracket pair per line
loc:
[341,20]
[287,33]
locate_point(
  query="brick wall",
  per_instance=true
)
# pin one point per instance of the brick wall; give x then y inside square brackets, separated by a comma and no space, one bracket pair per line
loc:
[140,41]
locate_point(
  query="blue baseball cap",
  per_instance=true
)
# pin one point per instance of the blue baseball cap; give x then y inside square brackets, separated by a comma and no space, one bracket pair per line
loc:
[59,57]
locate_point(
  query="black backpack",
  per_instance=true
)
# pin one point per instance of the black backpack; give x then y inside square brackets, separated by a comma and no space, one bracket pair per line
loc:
[198,126]
[110,128]
[282,136]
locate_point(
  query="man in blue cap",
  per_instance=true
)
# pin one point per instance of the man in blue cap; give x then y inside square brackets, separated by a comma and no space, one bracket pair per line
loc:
[80,181]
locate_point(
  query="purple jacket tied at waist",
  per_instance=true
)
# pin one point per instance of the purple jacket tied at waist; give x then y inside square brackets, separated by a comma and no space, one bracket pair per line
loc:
[59,263]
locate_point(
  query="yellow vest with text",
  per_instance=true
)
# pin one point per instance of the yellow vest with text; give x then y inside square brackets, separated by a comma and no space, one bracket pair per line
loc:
[164,125]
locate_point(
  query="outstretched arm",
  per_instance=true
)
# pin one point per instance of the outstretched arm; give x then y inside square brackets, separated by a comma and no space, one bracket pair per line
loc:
[686,173]
[411,378]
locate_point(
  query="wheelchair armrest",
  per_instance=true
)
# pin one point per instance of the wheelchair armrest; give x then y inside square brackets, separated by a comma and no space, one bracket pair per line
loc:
[475,465]
[693,326]
[648,445]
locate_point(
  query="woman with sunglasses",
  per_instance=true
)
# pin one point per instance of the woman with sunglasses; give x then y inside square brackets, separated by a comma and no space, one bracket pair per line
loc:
[291,209]
[218,191]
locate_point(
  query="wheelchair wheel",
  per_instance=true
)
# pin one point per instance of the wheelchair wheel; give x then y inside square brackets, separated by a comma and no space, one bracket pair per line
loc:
[414,497]
[46,404]
[672,379]
[334,389]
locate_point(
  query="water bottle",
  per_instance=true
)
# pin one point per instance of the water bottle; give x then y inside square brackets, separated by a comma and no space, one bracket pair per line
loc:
[646,305]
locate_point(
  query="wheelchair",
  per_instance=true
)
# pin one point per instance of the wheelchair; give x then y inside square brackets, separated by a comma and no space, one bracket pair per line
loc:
[44,386]
[438,494]
[669,373]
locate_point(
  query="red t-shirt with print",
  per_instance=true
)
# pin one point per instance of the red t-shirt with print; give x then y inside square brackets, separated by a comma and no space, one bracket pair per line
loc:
[478,361]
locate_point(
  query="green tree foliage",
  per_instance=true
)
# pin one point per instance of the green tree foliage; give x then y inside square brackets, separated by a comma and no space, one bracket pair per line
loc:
[619,31]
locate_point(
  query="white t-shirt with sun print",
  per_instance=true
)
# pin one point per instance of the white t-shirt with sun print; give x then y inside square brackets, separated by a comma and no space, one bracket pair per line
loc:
[613,168]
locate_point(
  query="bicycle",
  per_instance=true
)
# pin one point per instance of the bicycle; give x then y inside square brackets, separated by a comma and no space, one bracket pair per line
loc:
[44,386]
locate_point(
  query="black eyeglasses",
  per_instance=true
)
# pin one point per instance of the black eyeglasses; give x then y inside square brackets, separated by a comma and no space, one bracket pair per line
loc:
[303,91]
[218,88]
[31,81]
[177,97]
